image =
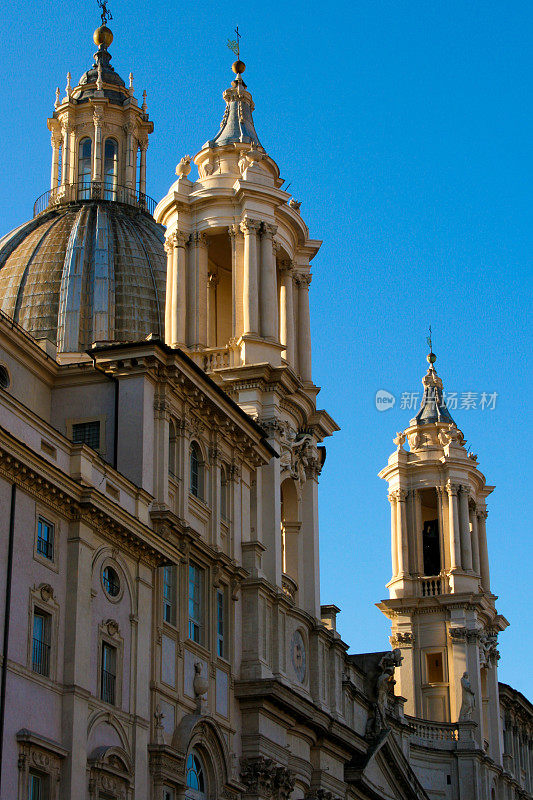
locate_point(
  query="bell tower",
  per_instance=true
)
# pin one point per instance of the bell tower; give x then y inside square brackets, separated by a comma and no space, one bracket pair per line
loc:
[441,606]
[238,277]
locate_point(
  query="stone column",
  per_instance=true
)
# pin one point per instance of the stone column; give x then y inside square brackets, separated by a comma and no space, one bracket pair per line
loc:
[401,528]
[304,327]
[286,331]
[97,145]
[466,545]
[142,174]
[483,551]
[475,542]
[65,166]
[237,291]
[179,288]
[56,144]
[441,518]
[169,249]
[394,533]
[453,525]
[129,178]
[197,291]
[212,283]
[268,284]
[250,277]
[310,580]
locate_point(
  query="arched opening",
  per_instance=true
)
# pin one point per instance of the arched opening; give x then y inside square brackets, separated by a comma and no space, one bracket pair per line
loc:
[431,554]
[84,169]
[290,530]
[196,486]
[196,777]
[110,169]
[172,448]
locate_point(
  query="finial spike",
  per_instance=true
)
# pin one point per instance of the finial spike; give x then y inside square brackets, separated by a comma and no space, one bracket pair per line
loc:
[431,355]
[68,89]
[58,98]
[144,106]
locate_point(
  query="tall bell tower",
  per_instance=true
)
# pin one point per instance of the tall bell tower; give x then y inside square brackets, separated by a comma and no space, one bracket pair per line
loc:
[238,278]
[441,606]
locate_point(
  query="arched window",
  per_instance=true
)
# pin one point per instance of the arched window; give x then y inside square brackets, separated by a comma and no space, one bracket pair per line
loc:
[172,448]
[223,493]
[110,169]
[197,472]
[196,782]
[84,169]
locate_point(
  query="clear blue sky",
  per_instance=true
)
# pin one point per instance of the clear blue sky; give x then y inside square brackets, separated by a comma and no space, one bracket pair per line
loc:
[405,129]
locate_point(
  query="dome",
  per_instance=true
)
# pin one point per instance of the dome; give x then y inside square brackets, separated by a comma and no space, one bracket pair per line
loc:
[85,272]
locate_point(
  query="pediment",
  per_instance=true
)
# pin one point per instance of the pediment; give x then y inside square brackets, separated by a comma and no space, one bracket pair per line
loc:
[383,772]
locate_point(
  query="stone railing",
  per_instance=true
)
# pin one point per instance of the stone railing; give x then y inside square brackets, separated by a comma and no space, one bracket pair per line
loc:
[213,358]
[440,732]
[432,585]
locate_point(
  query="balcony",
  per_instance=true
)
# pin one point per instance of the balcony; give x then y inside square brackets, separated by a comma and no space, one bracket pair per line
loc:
[441,735]
[93,190]
[213,358]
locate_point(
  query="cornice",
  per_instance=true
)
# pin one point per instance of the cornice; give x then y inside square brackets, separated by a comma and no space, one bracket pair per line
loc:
[19,464]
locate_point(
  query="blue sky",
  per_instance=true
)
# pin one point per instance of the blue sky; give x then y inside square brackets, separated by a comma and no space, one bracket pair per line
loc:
[405,129]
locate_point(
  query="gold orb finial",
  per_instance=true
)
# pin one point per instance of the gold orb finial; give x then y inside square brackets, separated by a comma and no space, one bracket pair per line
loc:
[102,36]
[431,357]
[238,67]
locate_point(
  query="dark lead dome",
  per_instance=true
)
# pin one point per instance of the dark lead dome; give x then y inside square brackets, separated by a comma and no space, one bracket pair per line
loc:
[86,272]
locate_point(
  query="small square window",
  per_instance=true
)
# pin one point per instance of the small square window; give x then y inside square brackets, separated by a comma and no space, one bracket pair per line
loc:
[196,581]
[108,677]
[435,668]
[42,627]
[87,433]
[45,538]
[168,794]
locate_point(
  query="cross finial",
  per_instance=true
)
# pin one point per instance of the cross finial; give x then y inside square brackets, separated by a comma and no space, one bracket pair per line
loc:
[106,14]
[430,344]
[235,44]
[431,355]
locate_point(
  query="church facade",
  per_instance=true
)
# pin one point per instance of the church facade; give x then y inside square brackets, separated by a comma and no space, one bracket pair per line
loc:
[160,451]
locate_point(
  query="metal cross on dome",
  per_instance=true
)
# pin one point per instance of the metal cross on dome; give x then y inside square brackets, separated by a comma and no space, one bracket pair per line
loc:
[235,44]
[106,13]
[428,340]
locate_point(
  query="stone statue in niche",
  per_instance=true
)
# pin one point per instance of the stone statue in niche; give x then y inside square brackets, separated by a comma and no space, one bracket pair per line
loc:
[468,702]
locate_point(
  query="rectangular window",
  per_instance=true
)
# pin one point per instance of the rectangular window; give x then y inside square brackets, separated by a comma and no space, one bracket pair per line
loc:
[37,786]
[435,670]
[169,594]
[87,433]
[108,680]
[221,623]
[196,580]
[40,658]
[45,538]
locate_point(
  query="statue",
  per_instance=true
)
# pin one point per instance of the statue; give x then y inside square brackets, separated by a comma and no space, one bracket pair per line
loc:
[468,702]
[384,682]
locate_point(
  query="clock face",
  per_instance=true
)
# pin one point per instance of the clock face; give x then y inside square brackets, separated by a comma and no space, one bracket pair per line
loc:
[299,656]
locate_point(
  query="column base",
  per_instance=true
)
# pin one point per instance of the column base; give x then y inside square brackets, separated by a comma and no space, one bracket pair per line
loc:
[253,349]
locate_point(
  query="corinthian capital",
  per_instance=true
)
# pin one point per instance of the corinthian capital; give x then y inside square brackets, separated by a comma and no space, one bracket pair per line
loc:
[452,488]
[178,239]
[198,239]
[233,231]
[303,279]
[268,230]
[249,225]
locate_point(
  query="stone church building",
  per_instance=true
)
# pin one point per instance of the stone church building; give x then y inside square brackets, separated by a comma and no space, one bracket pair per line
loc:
[160,452]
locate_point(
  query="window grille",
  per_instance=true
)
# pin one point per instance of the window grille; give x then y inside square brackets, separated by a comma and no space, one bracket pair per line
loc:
[169,594]
[195,603]
[108,679]
[221,623]
[40,659]
[87,433]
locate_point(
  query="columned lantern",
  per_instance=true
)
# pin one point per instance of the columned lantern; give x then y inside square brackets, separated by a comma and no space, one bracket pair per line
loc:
[441,605]
[90,265]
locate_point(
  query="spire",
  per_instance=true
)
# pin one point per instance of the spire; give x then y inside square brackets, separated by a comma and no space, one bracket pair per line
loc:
[433,408]
[237,123]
